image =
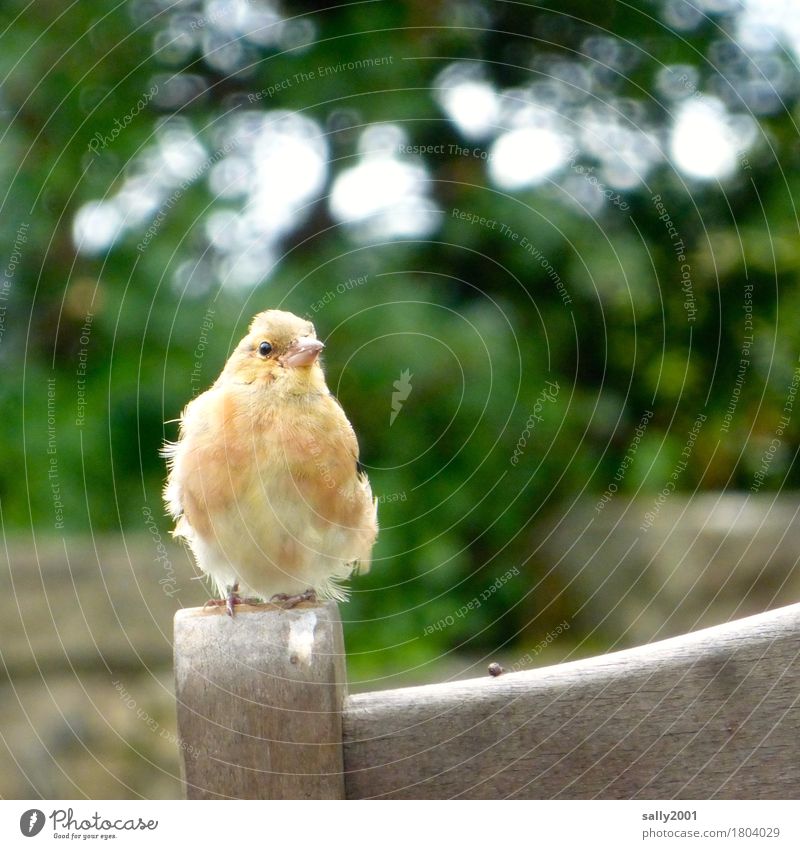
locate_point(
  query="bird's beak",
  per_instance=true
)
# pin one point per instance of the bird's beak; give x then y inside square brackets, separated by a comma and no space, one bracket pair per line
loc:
[302,352]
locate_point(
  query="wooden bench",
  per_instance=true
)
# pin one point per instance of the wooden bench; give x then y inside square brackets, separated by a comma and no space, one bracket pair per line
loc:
[263,713]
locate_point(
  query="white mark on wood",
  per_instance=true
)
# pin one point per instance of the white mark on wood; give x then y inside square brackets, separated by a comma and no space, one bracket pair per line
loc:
[301,637]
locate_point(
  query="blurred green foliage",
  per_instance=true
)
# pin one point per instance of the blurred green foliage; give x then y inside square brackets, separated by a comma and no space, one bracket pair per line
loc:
[475,319]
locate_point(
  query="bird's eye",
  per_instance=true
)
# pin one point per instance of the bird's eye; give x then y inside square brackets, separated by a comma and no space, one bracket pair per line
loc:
[265,349]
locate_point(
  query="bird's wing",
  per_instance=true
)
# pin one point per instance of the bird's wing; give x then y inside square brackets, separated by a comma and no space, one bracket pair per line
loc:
[369,516]
[216,437]
[173,453]
[173,492]
[351,438]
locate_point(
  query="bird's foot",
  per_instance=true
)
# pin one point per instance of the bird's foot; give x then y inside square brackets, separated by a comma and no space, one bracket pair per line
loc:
[230,601]
[287,602]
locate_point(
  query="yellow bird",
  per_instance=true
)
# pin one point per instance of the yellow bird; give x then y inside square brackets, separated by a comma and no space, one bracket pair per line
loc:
[264,481]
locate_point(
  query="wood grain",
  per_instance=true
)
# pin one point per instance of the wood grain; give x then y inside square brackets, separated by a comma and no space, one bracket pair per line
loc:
[713,714]
[259,702]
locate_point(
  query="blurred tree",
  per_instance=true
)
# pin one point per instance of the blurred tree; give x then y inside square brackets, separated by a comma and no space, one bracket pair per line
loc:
[554,220]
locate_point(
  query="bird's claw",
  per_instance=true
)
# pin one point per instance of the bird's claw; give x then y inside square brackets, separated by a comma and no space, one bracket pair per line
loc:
[230,601]
[227,603]
[287,602]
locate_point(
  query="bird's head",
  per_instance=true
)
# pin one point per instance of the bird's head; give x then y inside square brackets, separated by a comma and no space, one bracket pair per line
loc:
[281,350]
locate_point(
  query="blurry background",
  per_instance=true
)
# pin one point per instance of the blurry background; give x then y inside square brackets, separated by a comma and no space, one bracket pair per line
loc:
[553,253]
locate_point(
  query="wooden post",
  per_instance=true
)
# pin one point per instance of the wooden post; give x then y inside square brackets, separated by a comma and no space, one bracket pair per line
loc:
[714,714]
[260,699]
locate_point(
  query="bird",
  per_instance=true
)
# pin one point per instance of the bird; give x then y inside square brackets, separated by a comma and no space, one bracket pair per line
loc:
[264,481]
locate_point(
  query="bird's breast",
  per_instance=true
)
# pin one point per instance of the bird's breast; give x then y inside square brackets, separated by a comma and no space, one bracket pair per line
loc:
[247,457]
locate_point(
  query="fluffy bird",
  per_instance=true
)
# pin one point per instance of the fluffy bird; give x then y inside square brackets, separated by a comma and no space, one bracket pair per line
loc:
[264,481]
